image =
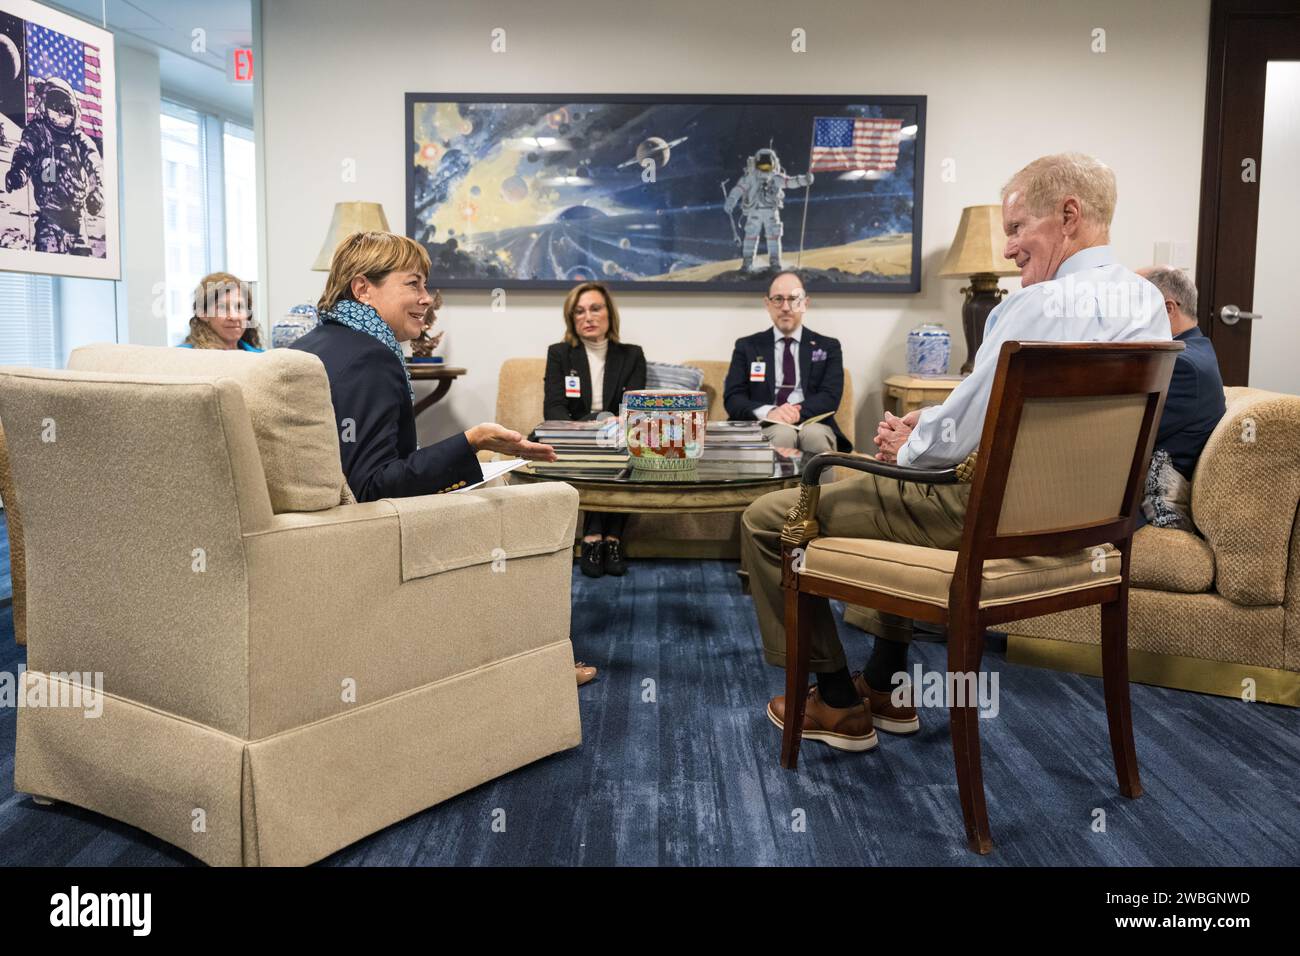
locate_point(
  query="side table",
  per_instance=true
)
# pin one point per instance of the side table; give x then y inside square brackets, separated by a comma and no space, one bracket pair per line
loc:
[444,375]
[910,392]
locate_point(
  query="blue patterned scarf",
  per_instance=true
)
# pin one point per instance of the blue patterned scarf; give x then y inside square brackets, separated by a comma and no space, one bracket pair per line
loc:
[363,318]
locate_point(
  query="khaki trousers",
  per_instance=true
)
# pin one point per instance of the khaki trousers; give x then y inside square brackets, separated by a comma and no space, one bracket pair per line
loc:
[929,516]
[812,439]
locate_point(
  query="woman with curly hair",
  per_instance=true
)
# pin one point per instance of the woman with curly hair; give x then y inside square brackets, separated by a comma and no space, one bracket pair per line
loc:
[223,315]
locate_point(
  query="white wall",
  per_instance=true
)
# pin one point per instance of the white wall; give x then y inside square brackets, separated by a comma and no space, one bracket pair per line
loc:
[144,263]
[1275,341]
[1006,81]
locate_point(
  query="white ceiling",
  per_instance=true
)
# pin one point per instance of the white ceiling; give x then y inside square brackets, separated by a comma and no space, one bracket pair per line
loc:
[167,28]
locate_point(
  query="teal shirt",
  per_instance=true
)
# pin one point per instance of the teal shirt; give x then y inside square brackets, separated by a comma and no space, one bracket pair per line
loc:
[242,344]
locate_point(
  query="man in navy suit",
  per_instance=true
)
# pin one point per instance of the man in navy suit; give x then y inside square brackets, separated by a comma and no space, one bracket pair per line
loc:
[1194,403]
[788,374]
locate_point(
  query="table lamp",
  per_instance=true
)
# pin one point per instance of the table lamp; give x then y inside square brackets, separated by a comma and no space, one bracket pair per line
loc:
[976,252]
[349,217]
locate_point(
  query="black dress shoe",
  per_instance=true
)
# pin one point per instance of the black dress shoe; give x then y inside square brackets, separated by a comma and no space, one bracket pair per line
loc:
[591,561]
[615,563]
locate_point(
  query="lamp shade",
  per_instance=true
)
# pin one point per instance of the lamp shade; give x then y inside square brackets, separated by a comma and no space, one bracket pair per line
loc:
[977,247]
[350,217]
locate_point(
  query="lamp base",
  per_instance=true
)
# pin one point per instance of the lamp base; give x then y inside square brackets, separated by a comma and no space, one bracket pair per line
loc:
[982,297]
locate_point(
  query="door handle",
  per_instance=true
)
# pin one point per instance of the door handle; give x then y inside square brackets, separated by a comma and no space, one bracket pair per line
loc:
[1231,315]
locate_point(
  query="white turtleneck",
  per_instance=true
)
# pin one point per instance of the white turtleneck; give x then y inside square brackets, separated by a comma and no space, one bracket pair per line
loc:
[596,362]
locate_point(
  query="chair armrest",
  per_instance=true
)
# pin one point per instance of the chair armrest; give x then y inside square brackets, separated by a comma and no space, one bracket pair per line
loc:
[395,601]
[801,523]
[886,469]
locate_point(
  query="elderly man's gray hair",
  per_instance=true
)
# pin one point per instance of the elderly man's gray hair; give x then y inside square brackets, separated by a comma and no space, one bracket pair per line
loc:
[1177,285]
[1049,179]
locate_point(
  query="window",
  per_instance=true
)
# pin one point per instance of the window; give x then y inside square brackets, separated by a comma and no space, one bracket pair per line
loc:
[27,320]
[209,206]
[241,202]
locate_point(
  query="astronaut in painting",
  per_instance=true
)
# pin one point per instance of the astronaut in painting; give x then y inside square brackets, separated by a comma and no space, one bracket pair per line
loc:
[761,195]
[64,168]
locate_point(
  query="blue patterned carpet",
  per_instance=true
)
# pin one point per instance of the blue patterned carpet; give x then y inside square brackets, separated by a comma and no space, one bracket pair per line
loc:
[691,777]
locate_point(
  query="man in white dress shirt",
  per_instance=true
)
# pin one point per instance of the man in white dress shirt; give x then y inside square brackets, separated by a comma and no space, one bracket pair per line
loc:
[1056,213]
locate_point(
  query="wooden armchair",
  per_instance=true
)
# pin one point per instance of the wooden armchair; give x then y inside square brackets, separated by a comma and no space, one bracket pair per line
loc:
[1055,491]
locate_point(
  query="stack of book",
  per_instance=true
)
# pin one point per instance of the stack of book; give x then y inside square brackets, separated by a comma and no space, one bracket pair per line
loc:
[582,446]
[739,445]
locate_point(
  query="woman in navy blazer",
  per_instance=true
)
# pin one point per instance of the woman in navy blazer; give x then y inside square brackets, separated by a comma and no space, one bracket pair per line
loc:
[375,299]
[586,376]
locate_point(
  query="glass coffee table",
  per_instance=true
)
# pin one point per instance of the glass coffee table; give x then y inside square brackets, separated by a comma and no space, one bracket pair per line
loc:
[708,488]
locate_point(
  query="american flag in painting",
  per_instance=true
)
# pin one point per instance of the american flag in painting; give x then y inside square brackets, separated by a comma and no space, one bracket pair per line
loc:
[846,142]
[50,53]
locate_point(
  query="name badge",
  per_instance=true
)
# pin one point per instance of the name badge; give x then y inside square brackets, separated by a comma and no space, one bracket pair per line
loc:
[572,386]
[757,371]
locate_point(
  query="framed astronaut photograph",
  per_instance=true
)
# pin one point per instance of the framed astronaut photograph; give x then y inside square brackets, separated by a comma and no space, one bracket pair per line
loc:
[709,193]
[58,144]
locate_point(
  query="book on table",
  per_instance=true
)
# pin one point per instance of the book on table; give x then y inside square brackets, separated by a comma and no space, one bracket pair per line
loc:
[799,427]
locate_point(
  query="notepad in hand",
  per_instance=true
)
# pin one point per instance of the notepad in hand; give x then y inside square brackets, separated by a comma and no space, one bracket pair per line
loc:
[799,427]
[492,470]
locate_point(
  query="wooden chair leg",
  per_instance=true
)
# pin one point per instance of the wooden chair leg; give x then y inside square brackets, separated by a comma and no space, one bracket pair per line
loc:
[798,647]
[965,647]
[1119,713]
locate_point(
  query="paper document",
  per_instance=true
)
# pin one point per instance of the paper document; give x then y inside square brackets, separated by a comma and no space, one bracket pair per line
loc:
[494,469]
[799,427]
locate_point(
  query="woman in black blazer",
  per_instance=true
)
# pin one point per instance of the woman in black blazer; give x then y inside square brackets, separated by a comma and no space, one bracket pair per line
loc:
[586,376]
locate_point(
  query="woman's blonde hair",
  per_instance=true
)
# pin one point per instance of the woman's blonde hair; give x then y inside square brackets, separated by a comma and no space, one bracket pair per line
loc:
[571,304]
[209,300]
[373,255]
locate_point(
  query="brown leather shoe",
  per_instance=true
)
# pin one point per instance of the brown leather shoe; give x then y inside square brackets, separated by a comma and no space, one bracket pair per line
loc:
[844,728]
[584,673]
[885,714]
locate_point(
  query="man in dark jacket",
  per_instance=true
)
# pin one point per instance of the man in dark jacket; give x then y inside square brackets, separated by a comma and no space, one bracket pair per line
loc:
[787,374]
[1194,403]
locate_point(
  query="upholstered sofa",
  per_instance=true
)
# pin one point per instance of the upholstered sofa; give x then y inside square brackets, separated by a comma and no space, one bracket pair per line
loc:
[1219,611]
[284,671]
[519,406]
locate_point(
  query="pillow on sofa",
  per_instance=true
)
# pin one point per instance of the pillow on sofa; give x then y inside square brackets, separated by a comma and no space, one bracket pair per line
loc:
[1167,501]
[668,375]
[288,399]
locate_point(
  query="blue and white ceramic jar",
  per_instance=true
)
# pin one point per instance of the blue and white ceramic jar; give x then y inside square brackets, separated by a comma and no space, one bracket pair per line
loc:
[928,349]
[300,320]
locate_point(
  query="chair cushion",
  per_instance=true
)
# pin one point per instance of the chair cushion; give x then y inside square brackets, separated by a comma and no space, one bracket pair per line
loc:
[288,398]
[925,574]
[1165,559]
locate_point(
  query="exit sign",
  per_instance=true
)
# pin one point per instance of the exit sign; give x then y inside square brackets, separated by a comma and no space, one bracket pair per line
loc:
[239,65]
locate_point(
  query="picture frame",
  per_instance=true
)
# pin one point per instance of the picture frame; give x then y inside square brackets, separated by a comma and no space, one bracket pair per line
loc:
[664,191]
[58,144]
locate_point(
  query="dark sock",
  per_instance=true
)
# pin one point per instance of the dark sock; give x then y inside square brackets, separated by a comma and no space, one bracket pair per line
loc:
[887,659]
[836,688]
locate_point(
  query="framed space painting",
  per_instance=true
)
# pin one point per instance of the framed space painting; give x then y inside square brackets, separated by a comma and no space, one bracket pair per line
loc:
[58,144]
[707,193]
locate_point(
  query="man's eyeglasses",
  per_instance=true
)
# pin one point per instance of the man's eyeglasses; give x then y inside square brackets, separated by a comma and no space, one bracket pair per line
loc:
[794,301]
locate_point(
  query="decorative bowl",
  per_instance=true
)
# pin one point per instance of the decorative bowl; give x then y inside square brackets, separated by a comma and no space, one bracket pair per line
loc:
[664,427]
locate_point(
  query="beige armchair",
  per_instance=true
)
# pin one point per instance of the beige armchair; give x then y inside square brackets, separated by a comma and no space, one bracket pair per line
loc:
[282,672]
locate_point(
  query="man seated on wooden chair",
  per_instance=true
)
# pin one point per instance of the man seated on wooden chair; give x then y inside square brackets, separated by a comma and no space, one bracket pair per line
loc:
[1056,213]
